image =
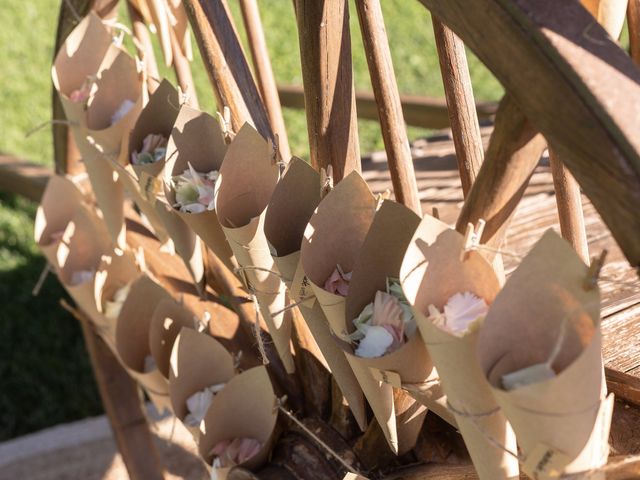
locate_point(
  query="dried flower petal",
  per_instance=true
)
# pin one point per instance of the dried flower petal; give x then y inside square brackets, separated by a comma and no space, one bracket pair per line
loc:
[338,282]
[198,404]
[122,111]
[195,191]
[375,343]
[229,453]
[461,313]
[154,149]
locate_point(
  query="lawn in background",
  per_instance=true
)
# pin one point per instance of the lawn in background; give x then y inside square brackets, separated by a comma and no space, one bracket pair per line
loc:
[46,377]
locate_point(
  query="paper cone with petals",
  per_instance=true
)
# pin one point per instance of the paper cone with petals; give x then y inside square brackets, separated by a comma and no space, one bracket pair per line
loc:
[431,273]
[544,314]
[88,48]
[302,182]
[81,247]
[245,408]
[198,361]
[143,182]
[59,203]
[243,190]
[100,148]
[197,140]
[187,244]
[379,259]
[114,273]
[334,236]
[132,338]
[168,320]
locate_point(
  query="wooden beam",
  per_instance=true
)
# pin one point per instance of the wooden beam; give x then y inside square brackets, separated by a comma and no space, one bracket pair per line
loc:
[144,46]
[226,65]
[418,111]
[182,68]
[325,52]
[633,23]
[569,201]
[514,151]
[385,89]
[579,89]
[264,73]
[465,128]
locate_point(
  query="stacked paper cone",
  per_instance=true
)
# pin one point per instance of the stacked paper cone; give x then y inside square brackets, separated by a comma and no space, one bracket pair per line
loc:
[302,182]
[432,272]
[247,179]
[545,315]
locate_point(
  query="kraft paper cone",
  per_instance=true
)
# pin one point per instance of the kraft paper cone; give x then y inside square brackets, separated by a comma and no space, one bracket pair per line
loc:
[117,83]
[198,361]
[59,203]
[563,423]
[115,272]
[143,182]
[245,408]
[88,48]
[197,139]
[245,185]
[132,338]
[380,258]
[333,237]
[83,243]
[431,273]
[302,182]
[187,244]
[168,319]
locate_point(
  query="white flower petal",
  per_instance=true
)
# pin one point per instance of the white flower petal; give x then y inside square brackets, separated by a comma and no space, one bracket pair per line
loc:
[375,343]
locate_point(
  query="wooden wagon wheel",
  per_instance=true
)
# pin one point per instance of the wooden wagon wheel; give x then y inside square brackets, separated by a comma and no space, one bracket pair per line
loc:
[570,64]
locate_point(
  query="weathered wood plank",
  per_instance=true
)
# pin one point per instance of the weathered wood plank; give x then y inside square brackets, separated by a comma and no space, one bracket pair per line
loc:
[593,86]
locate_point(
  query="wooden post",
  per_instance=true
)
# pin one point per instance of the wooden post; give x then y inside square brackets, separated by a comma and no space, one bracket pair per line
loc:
[462,108]
[633,22]
[264,73]
[183,71]
[144,47]
[385,89]
[325,53]
[514,151]
[226,64]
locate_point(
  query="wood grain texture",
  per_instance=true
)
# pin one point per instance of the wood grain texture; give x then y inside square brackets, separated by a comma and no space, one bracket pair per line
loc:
[569,202]
[264,73]
[325,53]
[182,68]
[575,85]
[385,90]
[418,111]
[513,153]
[633,23]
[459,93]
[226,64]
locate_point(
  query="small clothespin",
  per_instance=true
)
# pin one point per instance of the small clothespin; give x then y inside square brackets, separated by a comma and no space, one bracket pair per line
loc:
[593,273]
[225,123]
[381,197]
[140,65]
[184,96]
[326,181]
[471,238]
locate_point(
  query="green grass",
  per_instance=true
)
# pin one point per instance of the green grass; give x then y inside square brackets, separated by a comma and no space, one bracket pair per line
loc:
[44,369]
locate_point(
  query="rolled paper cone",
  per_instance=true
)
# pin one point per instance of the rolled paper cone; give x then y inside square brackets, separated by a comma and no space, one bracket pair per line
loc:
[57,208]
[197,139]
[302,182]
[609,13]
[562,423]
[115,272]
[244,187]
[333,237]
[132,338]
[88,48]
[187,244]
[245,408]
[431,273]
[380,258]
[198,361]
[181,27]
[81,248]
[116,84]
[143,182]
[168,319]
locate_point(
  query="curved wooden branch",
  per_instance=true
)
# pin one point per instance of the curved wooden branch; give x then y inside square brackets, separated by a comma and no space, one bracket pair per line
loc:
[576,86]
